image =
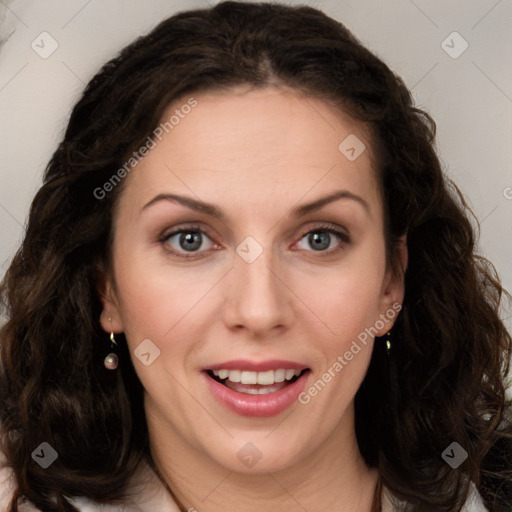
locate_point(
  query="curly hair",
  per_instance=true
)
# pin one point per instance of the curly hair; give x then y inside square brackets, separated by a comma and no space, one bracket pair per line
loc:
[446,376]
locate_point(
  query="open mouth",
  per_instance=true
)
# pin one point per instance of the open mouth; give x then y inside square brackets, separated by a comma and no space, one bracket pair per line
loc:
[256,383]
[242,388]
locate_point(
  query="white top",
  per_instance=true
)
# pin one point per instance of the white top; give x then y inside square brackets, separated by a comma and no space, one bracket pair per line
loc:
[153,496]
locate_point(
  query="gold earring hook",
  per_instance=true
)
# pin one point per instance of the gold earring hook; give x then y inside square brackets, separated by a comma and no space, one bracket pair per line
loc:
[111,333]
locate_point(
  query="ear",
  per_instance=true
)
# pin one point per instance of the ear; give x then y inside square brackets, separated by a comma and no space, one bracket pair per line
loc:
[393,289]
[110,318]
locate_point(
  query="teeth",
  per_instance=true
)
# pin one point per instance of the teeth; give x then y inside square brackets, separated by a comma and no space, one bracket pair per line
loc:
[263,378]
[248,378]
[289,374]
[261,391]
[279,375]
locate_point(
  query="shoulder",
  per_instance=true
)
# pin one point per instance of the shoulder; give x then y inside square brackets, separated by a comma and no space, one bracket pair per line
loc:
[7,488]
[148,494]
[474,502]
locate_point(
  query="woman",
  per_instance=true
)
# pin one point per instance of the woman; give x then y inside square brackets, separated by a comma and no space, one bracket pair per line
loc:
[329,340]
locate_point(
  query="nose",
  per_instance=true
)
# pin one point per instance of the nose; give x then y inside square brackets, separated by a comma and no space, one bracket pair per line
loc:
[257,298]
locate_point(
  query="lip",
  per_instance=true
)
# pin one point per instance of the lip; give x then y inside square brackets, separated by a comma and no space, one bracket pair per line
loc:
[256,406]
[261,366]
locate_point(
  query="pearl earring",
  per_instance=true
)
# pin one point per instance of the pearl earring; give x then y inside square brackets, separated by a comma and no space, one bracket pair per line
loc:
[111,361]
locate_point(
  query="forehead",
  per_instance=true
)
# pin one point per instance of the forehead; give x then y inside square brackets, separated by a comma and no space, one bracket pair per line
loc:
[255,147]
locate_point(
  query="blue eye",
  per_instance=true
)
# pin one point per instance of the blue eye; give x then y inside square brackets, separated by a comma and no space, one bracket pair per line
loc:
[321,238]
[187,240]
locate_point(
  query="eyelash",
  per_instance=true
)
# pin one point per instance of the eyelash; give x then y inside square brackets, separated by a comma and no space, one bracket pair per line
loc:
[195,228]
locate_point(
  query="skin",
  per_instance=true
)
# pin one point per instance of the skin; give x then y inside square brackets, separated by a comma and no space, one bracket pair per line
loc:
[256,154]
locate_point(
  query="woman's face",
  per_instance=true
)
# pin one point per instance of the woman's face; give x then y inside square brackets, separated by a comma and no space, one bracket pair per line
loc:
[257,278]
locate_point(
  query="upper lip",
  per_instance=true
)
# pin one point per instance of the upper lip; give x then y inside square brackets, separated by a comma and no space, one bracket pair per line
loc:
[258,366]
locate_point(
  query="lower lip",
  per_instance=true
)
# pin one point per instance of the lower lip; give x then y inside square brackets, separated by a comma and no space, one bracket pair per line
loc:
[261,406]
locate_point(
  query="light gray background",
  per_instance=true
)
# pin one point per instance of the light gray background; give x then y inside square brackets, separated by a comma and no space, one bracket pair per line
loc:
[470,96]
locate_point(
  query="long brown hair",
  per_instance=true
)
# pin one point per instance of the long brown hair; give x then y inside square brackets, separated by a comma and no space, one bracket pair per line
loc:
[445,378]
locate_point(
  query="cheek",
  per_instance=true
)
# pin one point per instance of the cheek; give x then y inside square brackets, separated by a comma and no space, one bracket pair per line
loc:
[346,297]
[159,296]
[148,300]
[162,301]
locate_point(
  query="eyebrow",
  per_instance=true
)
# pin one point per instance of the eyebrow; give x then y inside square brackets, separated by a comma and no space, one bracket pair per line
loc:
[217,213]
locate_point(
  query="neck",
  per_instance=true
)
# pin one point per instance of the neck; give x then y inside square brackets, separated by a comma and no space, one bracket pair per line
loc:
[332,477]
